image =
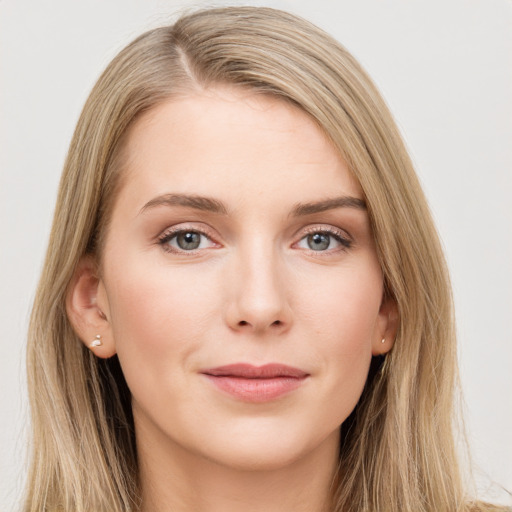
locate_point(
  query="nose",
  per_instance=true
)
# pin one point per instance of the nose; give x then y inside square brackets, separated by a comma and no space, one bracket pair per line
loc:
[258,296]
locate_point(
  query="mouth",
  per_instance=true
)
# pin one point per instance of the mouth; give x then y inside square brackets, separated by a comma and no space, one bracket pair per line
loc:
[256,384]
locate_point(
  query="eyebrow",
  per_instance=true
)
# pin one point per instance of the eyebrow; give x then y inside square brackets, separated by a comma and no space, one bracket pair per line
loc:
[190,201]
[302,209]
[214,206]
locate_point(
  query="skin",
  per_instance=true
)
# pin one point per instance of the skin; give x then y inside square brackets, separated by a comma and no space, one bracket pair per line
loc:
[254,291]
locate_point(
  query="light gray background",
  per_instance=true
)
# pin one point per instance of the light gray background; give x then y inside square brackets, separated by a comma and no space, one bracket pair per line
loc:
[445,68]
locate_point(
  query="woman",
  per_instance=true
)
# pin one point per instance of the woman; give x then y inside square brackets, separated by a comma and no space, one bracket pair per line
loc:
[241,262]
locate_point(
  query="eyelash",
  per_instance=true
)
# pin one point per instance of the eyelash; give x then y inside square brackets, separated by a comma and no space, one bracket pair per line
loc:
[171,233]
[339,235]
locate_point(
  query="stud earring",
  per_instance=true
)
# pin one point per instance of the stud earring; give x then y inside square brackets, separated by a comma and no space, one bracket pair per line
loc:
[96,342]
[383,340]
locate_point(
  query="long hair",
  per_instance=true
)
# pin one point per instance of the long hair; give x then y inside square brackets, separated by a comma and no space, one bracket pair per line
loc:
[397,450]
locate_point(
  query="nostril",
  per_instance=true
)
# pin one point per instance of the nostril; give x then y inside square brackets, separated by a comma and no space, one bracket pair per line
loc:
[277,323]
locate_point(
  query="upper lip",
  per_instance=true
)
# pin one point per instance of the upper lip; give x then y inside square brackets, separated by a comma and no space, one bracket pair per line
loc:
[249,371]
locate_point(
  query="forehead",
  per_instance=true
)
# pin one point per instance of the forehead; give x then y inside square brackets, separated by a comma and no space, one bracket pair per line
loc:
[234,145]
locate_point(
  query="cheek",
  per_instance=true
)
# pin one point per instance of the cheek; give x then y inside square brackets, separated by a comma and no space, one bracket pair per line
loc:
[345,308]
[158,316]
[342,317]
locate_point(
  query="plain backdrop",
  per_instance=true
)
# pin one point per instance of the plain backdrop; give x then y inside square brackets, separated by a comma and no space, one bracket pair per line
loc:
[444,67]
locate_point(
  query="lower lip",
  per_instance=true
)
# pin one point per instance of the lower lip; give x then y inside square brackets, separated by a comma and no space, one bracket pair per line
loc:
[256,390]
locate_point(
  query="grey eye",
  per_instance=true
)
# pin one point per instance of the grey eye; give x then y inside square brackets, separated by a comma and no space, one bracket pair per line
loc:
[324,241]
[188,240]
[318,241]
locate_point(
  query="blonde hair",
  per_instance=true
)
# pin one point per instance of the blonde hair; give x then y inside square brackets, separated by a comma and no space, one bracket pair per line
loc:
[398,451]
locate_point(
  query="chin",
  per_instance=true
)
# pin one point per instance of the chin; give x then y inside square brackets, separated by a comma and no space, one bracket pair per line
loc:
[268,451]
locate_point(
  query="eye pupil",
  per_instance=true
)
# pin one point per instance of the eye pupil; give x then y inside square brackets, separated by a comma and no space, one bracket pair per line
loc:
[188,240]
[318,241]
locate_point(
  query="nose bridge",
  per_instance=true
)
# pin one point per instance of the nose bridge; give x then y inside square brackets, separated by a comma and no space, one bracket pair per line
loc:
[258,296]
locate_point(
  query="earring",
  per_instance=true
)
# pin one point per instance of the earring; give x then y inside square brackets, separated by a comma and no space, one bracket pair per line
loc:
[383,340]
[96,342]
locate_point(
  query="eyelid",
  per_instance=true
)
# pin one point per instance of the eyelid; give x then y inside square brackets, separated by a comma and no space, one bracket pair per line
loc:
[174,230]
[343,237]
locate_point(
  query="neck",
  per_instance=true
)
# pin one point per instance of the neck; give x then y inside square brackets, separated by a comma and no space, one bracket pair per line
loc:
[174,479]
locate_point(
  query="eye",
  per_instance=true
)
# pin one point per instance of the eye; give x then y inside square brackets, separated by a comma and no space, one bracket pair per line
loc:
[185,240]
[324,240]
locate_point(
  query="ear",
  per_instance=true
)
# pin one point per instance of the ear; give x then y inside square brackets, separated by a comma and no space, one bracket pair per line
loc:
[87,309]
[386,327]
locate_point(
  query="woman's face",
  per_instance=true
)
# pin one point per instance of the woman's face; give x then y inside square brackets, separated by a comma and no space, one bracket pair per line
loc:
[240,281]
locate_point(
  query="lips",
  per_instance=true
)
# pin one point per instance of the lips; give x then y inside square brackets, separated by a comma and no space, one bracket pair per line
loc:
[256,383]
